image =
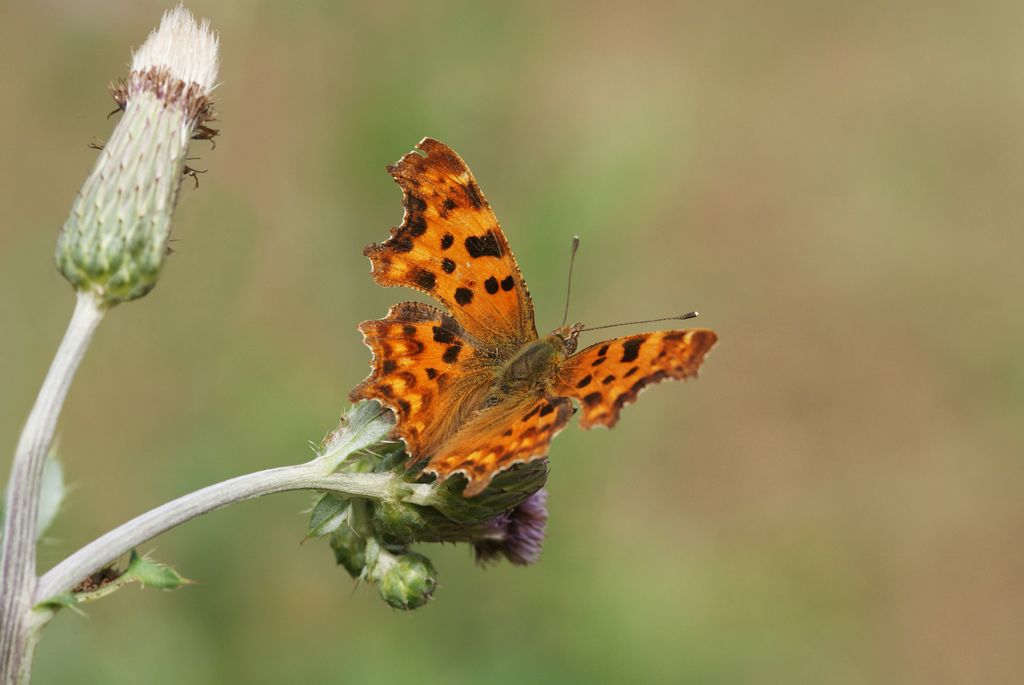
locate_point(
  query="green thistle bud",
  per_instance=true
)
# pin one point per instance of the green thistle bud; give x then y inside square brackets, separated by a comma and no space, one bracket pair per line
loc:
[115,240]
[399,521]
[349,550]
[405,581]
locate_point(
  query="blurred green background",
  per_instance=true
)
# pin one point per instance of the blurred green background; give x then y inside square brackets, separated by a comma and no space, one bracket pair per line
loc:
[835,186]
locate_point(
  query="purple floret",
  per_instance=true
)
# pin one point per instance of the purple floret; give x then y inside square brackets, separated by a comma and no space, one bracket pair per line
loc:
[518,535]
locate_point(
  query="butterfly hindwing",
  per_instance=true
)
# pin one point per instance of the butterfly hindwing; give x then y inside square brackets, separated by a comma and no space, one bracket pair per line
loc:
[451,247]
[425,370]
[499,438]
[609,375]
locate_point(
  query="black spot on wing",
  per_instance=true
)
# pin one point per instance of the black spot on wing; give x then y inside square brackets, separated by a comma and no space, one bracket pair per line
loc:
[631,348]
[424,279]
[414,203]
[546,409]
[431,373]
[409,330]
[388,366]
[584,382]
[443,335]
[608,379]
[508,283]
[491,284]
[473,195]
[532,412]
[627,397]
[592,399]
[599,361]
[463,296]
[401,243]
[447,241]
[485,245]
[451,355]
[448,265]
[417,225]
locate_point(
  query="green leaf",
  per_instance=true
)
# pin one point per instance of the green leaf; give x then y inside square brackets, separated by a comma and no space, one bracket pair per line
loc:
[61,601]
[149,573]
[367,423]
[328,514]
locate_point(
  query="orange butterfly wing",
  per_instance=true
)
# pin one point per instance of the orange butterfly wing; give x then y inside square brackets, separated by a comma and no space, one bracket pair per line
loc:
[435,369]
[426,370]
[451,247]
[609,375]
[497,439]
[438,371]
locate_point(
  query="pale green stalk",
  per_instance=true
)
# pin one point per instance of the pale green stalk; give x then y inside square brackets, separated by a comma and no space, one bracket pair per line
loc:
[18,568]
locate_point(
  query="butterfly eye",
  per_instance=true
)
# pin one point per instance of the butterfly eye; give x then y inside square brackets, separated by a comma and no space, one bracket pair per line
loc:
[570,344]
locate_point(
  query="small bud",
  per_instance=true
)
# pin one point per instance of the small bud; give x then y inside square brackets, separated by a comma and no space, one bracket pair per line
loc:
[398,521]
[349,550]
[405,581]
[115,240]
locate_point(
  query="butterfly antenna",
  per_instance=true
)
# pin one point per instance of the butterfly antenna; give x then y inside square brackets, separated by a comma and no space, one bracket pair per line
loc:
[681,317]
[568,290]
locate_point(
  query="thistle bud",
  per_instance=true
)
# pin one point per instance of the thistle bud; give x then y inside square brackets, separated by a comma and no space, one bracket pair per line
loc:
[349,550]
[399,521]
[405,580]
[115,240]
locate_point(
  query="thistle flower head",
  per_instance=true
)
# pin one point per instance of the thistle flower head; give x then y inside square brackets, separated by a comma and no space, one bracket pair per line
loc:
[115,240]
[517,535]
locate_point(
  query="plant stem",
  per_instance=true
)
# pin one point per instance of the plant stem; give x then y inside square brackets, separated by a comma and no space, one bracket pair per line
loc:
[309,476]
[18,567]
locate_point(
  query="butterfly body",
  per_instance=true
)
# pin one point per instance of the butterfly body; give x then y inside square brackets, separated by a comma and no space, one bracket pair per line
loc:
[474,389]
[533,367]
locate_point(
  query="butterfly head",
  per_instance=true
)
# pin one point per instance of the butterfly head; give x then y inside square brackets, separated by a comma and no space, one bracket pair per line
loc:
[568,337]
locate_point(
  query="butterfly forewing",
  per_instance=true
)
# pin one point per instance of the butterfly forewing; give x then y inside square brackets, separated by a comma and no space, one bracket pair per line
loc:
[451,247]
[609,375]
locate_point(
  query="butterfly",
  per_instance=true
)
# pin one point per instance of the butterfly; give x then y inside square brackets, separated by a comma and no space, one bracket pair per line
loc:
[473,388]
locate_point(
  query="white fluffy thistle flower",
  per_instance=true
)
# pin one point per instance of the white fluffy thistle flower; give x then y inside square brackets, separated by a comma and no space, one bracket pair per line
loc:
[115,240]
